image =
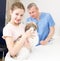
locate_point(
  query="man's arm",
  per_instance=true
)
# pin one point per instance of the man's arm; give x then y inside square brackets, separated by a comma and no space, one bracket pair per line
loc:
[50,35]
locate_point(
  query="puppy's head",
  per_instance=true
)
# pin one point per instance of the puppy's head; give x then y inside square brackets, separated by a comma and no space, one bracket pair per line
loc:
[30,25]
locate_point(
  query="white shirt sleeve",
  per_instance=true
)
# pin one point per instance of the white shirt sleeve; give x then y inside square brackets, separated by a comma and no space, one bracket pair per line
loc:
[6,32]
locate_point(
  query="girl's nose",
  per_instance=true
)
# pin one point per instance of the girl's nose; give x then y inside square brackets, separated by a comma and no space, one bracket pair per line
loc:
[19,17]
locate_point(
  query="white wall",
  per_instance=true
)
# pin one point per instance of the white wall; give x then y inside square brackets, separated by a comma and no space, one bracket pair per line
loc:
[50,6]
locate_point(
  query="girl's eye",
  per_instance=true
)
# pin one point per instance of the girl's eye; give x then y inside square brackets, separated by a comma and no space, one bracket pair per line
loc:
[17,14]
[21,15]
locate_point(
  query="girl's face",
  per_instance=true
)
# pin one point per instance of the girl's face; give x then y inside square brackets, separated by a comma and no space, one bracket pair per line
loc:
[16,15]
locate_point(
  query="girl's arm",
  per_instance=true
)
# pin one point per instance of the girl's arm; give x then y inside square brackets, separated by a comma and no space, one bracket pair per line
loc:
[15,47]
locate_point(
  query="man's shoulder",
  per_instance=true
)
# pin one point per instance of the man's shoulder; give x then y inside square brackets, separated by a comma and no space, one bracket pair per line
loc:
[44,13]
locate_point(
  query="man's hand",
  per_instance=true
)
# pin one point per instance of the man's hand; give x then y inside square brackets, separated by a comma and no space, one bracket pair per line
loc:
[43,42]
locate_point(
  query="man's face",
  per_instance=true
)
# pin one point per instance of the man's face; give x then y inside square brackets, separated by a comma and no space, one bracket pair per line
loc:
[33,11]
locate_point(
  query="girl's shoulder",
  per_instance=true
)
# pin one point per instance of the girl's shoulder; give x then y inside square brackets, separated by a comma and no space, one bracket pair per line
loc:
[7,26]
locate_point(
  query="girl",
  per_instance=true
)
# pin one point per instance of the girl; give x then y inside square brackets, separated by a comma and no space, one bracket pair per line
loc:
[13,30]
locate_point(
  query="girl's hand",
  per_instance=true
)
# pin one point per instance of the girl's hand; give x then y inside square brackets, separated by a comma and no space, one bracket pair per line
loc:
[29,32]
[27,45]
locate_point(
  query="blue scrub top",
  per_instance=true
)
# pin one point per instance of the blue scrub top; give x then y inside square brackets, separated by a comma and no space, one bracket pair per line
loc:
[44,24]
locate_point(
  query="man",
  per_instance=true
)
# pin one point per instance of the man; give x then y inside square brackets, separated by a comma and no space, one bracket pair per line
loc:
[44,22]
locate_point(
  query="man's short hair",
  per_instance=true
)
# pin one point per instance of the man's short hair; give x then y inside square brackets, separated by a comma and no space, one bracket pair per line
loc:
[31,5]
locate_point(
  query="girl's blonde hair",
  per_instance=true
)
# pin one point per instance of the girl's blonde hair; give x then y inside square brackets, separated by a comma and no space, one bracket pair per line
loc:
[17,5]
